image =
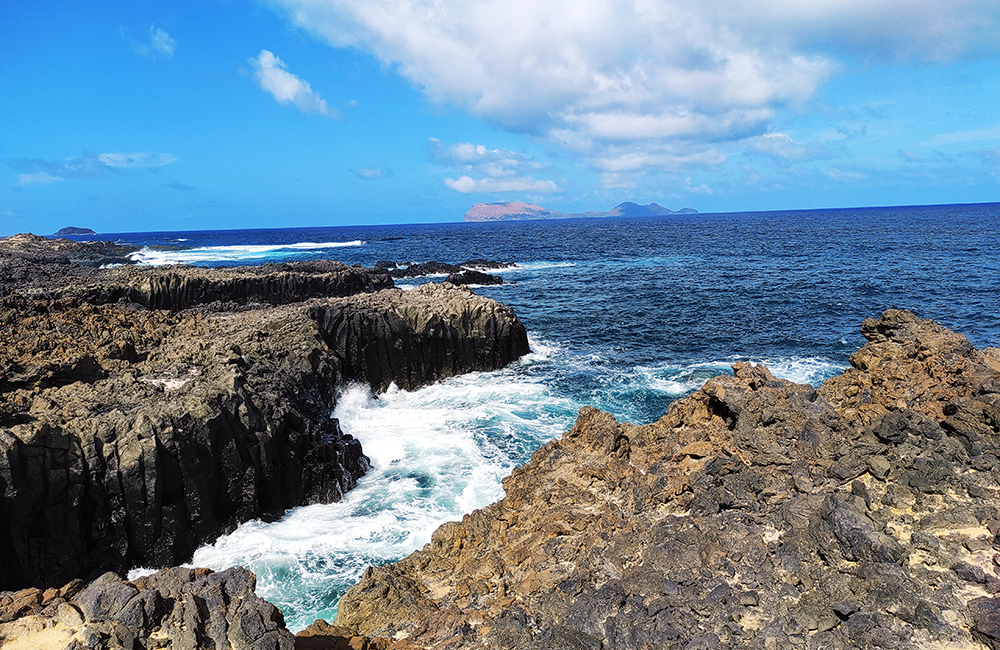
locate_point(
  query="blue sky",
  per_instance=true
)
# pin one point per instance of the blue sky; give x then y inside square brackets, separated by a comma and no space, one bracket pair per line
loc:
[240,114]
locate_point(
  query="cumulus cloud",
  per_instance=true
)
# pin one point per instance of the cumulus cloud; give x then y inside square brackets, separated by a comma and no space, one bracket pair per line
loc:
[597,73]
[89,165]
[273,76]
[158,44]
[467,185]
[499,170]
[369,173]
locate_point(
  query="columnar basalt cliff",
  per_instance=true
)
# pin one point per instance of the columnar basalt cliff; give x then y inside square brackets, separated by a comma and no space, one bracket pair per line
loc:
[757,513]
[129,436]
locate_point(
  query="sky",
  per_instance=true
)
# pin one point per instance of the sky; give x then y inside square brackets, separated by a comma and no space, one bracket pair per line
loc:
[216,114]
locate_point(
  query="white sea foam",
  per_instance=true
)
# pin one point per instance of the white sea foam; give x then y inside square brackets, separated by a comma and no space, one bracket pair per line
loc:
[680,379]
[156,257]
[440,452]
[437,453]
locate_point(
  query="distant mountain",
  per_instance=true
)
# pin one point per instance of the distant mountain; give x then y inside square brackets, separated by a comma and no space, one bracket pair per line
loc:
[73,230]
[519,211]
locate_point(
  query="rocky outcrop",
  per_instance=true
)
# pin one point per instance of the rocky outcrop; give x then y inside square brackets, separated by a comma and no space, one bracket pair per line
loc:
[178,608]
[413,270]
[757,513]
[131,436]
[30,261]
[473,277]
[411,338]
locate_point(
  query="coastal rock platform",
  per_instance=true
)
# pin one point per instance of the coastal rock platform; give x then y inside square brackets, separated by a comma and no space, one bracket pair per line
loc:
[144,412]
[757,513]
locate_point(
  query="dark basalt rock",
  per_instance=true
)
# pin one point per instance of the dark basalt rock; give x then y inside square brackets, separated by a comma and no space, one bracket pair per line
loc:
[757,513]
[474,277]
[179,608]
[131,436]
[411,270]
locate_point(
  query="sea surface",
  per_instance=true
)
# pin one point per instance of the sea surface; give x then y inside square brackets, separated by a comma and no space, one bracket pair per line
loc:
[623,314]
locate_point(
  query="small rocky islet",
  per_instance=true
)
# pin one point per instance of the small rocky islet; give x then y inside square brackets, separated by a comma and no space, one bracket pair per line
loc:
[143,411]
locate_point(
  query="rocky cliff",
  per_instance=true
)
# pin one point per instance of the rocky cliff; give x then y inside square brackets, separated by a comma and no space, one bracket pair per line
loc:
[133,430]
[757,513]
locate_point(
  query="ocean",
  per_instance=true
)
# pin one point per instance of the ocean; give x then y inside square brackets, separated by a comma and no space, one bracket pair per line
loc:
[623,314]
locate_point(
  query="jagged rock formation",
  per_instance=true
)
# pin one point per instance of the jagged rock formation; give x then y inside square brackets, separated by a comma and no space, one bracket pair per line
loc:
[473,277]
[30,261]
[179,608]
[757,513]
[130,436]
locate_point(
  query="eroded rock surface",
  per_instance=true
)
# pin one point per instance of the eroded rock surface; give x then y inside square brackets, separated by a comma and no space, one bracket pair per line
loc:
[130,436]
[757,513]
[177,608]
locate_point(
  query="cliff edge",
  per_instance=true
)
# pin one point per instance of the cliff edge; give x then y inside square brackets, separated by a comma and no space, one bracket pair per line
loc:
[757,513]
[144,412]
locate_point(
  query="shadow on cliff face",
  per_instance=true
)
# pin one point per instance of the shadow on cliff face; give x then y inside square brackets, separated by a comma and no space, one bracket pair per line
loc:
[131,436]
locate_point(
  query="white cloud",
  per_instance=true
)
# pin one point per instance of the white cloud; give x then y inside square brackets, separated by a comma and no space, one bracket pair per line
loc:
[369,173]
[499,170]
[273,77]
[466,185]
[122,160]
[781,147]
[977,135]
[36,178]
[159,43]
[593,74]
[845,175]
[89,165]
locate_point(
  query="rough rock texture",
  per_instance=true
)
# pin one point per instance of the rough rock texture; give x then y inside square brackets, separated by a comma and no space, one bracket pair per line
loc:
[414,337]
[757,513]
[53,269]
[32,261]
[130,436]
[176,608]
[473,277]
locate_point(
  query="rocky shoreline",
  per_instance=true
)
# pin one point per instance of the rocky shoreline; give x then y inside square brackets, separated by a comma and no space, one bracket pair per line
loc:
[144,412]
[756,513]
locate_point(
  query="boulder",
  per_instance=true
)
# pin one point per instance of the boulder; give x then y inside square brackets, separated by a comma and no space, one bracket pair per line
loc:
[179,608]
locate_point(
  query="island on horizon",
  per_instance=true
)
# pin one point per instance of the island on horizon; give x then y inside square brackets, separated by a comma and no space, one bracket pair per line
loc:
[73,230]
[520,211]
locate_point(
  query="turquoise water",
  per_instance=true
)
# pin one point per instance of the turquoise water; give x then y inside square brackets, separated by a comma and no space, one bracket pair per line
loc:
[626,315]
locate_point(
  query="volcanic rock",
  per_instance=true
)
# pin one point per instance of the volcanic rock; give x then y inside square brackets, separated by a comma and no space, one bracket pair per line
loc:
[757,513]
[130,436]
[474,277]
[178,608]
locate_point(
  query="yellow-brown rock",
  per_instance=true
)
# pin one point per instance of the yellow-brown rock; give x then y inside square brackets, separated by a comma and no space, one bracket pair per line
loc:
[756,513]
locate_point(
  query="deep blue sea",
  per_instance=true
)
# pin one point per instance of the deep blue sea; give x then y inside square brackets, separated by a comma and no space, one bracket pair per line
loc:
[623,314]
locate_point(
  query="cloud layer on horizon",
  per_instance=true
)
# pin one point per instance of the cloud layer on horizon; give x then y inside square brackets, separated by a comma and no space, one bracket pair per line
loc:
[636,85]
